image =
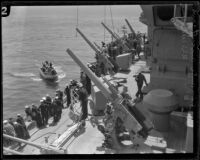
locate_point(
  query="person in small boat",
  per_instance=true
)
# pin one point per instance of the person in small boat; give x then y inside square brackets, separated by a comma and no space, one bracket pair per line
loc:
[140,78]
[20,120]
[68,95]
[83,97]
[44,112]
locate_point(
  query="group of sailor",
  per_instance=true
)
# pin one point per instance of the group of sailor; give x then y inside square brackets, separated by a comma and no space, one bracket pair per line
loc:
[15,127]
[48,107]
[47,67]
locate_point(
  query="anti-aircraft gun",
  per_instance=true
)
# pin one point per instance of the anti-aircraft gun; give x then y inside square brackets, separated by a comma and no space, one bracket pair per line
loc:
[130,27]
[102,57]
[133,123]
[126,47]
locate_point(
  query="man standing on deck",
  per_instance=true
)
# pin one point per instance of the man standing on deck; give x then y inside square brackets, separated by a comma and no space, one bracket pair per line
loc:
[140,78]
[20,120]
[83,97]
[68,95]
[44,112]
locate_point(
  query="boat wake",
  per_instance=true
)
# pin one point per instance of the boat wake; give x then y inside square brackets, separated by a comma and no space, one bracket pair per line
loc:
[23,74]
[61,73]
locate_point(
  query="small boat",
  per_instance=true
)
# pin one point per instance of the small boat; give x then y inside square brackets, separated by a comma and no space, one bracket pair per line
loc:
[49,73]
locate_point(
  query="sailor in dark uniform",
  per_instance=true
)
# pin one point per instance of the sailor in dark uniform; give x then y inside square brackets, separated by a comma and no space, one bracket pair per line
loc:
[83,97]
[44,112]
[68,95]
[20,120]
[48,103]
[140,78]
[36,116]
[88,85]
[19,130]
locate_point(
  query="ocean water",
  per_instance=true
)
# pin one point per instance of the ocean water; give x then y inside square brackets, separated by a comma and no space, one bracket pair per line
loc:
[32,34]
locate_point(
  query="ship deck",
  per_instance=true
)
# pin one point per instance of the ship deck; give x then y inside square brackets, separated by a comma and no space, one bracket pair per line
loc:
[89,139]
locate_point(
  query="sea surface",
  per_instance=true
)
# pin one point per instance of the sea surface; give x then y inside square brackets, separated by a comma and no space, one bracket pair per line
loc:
[33,34]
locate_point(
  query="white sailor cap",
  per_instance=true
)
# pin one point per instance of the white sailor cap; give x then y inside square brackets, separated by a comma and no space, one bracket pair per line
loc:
[15,123]
[80,85]
[43,98]
[18,115]
[5,121]
[27,106]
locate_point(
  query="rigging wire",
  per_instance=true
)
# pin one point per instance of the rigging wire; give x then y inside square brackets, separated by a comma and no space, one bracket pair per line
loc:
[77,20]
[104,23]
[112,21]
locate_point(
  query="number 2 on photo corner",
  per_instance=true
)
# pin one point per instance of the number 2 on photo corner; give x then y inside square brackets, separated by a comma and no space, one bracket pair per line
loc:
[5,11]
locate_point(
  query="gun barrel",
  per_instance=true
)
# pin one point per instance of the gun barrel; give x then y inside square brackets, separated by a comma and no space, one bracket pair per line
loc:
[114,35]
[107,93]
[90,44]
[130,27]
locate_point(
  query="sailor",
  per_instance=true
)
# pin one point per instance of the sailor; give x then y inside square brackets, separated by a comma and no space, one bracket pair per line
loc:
[50,65]
[125,95]
[36,116]
[59,94]
[10,121]
[83,78]
[44,112]
[57,109]
[140,78]
[48,102]
[83,97]
[20,120]
[28,112]
[9,130]
[67,93]
[19,130]
[54,105]
[88,84]
[138,50]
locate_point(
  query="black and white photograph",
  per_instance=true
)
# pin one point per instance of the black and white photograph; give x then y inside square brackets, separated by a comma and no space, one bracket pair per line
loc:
[97,79]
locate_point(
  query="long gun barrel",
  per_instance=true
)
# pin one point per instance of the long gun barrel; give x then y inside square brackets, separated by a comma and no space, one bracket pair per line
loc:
[112,96]
[130,27]
[115,36]
[94,48]
[90,44]
[98,46]
[91,75]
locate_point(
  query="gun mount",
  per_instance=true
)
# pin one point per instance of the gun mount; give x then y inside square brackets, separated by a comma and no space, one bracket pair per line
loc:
[126,48]
[102,57]
[121,111]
